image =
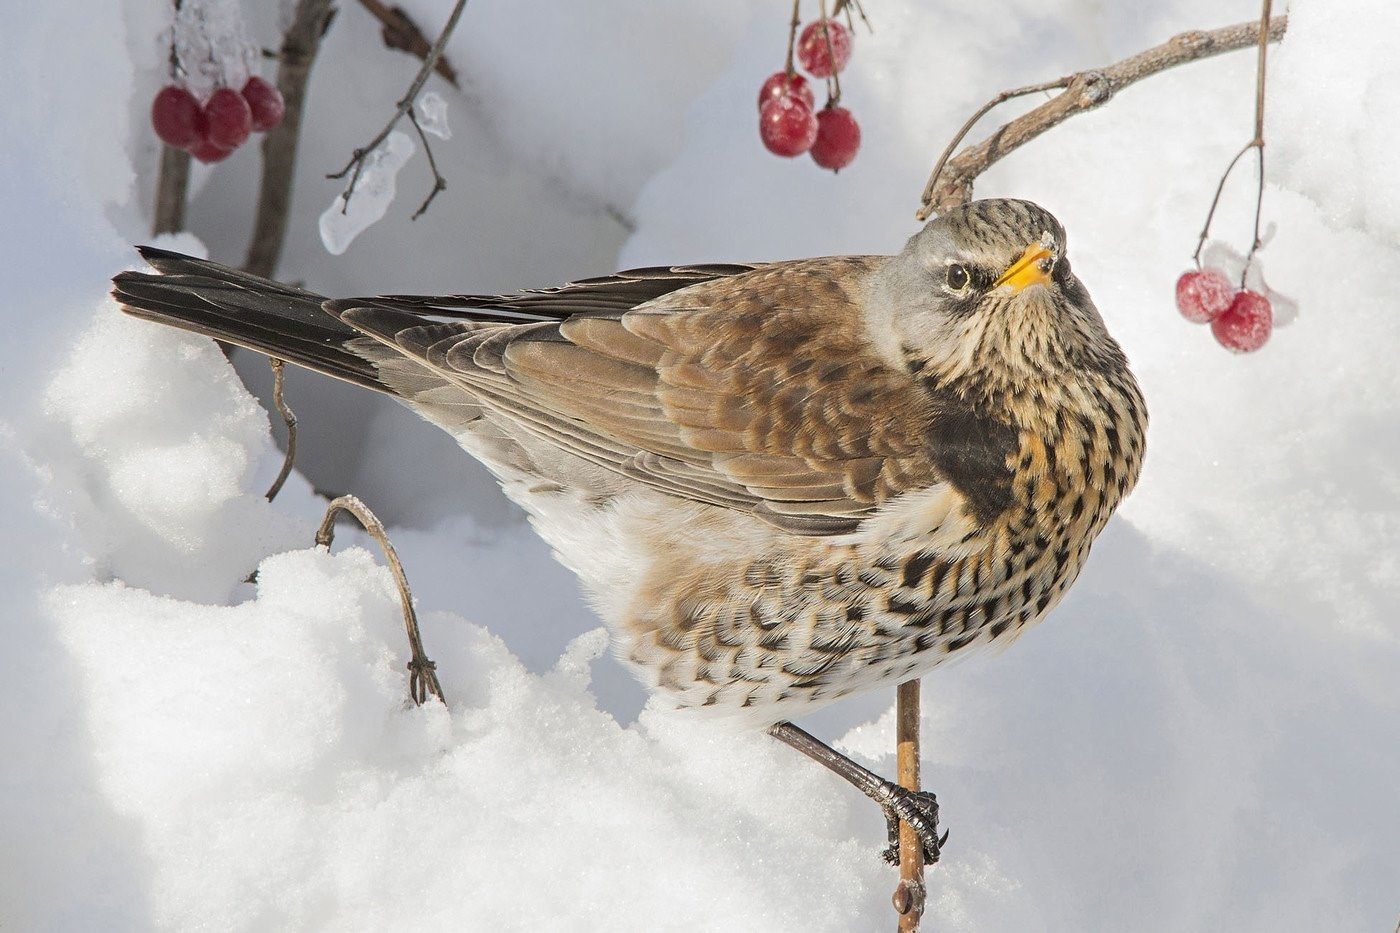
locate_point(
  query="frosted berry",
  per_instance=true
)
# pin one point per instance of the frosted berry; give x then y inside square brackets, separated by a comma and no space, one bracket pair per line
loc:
[265,102]
[205,151]
[1203,294]
[782,84]
[1245,325]
[229,117]
[812,51]
[838,138]
[177,118]
[787,126]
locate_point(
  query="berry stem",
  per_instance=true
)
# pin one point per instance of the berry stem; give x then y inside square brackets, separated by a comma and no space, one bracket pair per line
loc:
[833,81]
[1256,143]
[792,36]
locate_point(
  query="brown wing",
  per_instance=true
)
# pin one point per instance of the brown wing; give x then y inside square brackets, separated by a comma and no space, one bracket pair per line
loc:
[757,391]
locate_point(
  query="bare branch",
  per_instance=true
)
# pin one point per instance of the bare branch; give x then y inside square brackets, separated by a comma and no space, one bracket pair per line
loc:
[401,110]
[171,188]
[423,680]
[402,33]
[909,894]
[951,184]
[300,44]
[289,418]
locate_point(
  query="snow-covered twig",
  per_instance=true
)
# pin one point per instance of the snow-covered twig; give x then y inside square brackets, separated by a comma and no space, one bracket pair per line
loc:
[423,680]
[950,183]
[404,108]
[289,418]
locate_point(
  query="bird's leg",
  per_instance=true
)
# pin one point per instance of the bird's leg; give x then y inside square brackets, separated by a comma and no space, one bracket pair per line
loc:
[917,808]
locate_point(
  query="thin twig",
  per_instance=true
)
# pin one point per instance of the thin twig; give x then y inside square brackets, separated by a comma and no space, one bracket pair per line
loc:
[1000,99]
[300,45]
[402,109]
[289,418]
[423,680]
[951,185]
[402,33]
[439,183]
[910,892]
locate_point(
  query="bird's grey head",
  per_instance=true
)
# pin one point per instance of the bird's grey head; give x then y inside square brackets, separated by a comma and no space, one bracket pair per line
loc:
[985,291]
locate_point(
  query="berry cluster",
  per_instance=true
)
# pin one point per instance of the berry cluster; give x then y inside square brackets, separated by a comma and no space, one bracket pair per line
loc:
[211,131]
[1240,318]
[788,122]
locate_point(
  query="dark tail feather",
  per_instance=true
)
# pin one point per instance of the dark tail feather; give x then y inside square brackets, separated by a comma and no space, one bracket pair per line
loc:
[229,304]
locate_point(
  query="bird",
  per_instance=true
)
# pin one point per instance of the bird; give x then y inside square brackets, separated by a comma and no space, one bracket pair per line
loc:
[780,483]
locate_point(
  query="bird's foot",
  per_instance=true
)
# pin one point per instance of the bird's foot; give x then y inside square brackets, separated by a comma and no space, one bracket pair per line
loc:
[918,808]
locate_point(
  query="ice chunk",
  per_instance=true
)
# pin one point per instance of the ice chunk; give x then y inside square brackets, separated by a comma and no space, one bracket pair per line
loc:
[374,192]
[432,114]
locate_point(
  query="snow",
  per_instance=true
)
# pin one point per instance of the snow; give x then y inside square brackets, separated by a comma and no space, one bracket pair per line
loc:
[354,210]
[1204,734]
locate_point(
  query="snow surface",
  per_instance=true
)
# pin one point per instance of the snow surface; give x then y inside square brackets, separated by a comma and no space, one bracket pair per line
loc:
[1205,736]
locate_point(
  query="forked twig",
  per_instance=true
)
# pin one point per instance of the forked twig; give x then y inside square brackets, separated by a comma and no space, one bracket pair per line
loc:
[402,109]
[422,680]
[289,418]
[950,184]
[1257,144]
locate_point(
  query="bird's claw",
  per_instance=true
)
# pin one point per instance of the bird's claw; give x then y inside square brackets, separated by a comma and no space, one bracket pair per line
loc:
[918,808]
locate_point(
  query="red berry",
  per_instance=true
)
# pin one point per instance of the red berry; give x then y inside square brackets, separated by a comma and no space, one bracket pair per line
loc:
[1203,294]
[782,84]
[787,126]
[1245,325]
[207,152]
[176,116]
[812,49]
[838,138]
[230,119]
[266,103]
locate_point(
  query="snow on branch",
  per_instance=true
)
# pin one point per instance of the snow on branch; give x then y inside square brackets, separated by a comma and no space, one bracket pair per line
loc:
[950,183]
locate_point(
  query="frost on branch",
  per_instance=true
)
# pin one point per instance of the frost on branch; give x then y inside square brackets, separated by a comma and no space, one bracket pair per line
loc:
[374,192]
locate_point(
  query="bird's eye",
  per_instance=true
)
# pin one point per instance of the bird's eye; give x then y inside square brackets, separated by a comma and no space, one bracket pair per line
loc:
[958,277]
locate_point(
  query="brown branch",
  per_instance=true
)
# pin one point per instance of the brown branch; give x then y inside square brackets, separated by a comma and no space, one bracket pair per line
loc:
[300,44]
[402,33]
[171,187]
[909,894]
[423,681]
[401,110]
[289,418]
[950,184]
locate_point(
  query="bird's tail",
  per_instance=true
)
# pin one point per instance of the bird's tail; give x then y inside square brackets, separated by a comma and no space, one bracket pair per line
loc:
[231,305]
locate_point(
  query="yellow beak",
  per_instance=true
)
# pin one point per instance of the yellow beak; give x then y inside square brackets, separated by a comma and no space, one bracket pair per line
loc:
[1033,268]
